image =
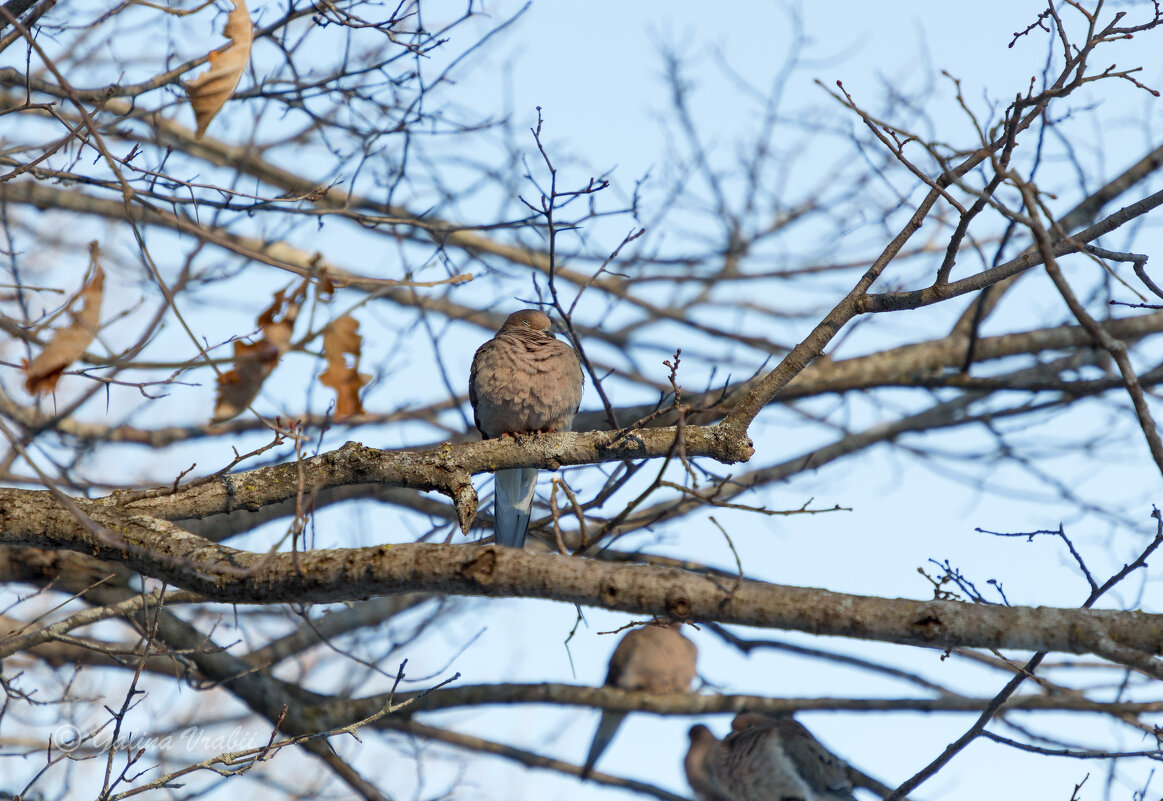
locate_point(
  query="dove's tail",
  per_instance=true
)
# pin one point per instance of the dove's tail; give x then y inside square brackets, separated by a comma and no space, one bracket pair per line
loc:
[513,505]
[608,725]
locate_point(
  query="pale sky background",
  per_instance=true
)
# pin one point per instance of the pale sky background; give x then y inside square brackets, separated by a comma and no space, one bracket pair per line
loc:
[595,69]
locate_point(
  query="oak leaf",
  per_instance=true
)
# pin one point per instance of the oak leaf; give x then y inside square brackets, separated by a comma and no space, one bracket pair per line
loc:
[254,362]
[69,343]
[210,90]
[342,337]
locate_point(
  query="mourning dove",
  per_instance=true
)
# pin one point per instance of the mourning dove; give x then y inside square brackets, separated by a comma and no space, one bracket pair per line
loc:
[655,658]
[776,759]
[523,381]
[699,764]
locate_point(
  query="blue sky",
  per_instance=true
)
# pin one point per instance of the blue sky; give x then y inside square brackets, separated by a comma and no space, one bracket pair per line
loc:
[597,72]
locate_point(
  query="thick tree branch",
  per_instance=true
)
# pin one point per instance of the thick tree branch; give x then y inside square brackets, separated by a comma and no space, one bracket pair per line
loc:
[163,551]
[446,469]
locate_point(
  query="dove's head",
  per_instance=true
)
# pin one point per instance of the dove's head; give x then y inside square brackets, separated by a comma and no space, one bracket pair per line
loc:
[534,319]
[701,734]
[746,720]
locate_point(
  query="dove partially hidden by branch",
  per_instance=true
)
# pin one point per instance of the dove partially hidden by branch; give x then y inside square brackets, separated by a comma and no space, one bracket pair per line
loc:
[765,758]
[523,381]
[655,658]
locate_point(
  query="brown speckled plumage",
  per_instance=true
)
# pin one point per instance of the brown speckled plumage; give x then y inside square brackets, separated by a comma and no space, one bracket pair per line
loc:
[523,380]
[776,759]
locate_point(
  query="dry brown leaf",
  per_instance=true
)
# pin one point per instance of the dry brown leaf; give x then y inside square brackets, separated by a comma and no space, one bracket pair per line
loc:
[69,343]
[325,290]
[253,363]
[342,337]
[237,388]
[210,90]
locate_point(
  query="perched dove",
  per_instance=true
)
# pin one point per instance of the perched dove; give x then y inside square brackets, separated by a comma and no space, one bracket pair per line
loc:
[775,758]
[523,381]
[655,658]
[700,762]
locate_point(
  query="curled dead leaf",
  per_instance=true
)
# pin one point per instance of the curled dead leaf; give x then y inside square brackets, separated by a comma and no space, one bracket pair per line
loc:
[325,290]
[69,343]
[342,337]
[210,90]
[253,363]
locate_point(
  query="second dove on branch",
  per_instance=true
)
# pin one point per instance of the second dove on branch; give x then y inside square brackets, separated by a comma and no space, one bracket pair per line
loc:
[523,381]
[764,759]
[655,658]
